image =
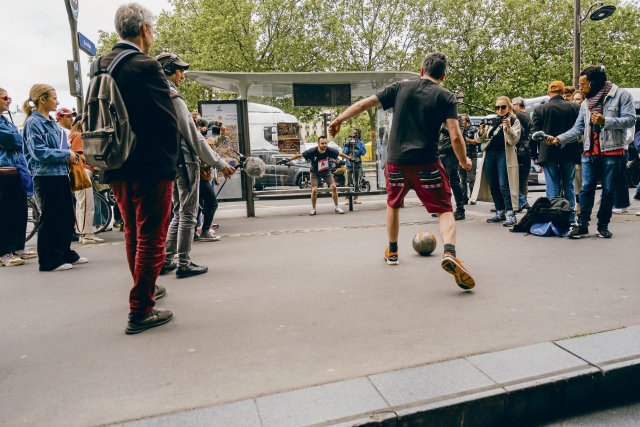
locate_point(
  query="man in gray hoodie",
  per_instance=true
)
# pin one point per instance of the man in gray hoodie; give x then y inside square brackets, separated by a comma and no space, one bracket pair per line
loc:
[193,147]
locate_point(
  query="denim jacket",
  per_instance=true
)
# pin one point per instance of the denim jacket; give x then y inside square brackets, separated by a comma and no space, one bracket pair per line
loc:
[619,115]
[42,147]
[10,143]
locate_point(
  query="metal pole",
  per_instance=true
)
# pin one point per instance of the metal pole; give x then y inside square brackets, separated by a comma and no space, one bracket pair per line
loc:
[576,41]
[76,54]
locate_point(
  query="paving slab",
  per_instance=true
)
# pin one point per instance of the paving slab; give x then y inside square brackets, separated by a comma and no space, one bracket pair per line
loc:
[320,404]
[438,381]
[606,348]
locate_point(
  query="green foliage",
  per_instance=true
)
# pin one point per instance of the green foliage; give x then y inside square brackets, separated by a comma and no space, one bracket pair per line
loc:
[510,47]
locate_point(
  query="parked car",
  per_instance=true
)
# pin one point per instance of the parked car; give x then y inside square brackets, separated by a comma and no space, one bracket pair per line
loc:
[277,174]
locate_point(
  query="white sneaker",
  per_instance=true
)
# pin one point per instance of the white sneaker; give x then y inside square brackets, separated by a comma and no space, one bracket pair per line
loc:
[63,267]
[89,239]
[338,210]
[10,260]
[619,210]
[26,253]
[81,260]
[312,212]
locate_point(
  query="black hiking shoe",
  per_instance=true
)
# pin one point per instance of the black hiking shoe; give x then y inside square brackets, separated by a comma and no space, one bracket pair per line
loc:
[603,231]
[156,317]
[458,215]
[578,232]
[160,292]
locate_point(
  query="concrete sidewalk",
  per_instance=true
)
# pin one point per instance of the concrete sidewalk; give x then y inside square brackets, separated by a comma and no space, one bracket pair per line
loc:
[300,321]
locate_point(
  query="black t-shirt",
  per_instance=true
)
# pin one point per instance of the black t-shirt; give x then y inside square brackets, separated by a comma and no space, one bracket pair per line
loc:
[420,107]
[320,161]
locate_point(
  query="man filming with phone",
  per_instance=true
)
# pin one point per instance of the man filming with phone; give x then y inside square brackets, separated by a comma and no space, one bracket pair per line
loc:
[355,148]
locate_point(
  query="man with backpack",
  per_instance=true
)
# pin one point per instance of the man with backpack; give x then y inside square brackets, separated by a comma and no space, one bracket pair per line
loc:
[193,147]
[142,184]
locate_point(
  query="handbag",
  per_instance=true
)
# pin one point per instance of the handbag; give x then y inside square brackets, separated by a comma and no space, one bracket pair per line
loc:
[78,177]
[8,170]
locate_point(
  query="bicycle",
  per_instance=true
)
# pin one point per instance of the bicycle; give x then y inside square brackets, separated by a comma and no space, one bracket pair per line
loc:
[101,218]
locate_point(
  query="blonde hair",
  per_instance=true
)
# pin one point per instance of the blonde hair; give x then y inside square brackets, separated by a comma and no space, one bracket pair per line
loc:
[508,101]
[36,92]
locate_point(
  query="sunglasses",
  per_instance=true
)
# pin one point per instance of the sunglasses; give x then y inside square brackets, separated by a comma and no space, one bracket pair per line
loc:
[501,107]
[5,98]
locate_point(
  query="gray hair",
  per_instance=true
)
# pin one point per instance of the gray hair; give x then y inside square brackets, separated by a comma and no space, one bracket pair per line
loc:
[518,100]
[435,65]
[130,17]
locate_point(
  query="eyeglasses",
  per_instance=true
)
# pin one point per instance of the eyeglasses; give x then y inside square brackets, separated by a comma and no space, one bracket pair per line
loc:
[6,98]
[501,107]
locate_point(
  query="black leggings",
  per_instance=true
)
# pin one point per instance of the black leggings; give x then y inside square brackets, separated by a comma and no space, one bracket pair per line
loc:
[208,202]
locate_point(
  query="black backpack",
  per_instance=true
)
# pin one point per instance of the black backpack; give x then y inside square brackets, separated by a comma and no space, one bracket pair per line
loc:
[557,211]
[107,135]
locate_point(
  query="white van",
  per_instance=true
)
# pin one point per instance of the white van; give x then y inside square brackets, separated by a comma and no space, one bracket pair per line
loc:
[264,122]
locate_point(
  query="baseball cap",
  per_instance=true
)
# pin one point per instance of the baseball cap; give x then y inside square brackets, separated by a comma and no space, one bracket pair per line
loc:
[65,112]
[163,58]
[555,86]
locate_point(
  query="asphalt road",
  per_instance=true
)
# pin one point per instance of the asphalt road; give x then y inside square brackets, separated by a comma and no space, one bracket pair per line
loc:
[619,416]
[293,301]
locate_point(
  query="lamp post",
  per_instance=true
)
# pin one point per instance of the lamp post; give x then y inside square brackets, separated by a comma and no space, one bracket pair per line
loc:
[601,12]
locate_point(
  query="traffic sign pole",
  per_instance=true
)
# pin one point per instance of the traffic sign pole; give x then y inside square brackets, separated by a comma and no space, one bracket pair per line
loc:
[72,13]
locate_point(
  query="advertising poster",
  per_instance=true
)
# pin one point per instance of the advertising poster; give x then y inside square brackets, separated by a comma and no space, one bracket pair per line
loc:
[288,138]
[227,146]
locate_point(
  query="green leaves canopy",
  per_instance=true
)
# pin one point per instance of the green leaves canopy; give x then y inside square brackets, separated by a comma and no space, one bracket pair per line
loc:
[508,47]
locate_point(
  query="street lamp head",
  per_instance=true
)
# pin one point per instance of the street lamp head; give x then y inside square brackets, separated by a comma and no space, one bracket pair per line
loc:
[602,12]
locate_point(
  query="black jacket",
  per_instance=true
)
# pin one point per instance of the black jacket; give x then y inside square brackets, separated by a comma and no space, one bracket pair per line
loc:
[525,125]
[145,92]
[554,117]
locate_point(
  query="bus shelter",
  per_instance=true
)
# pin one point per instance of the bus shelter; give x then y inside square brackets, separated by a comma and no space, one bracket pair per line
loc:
[314,89]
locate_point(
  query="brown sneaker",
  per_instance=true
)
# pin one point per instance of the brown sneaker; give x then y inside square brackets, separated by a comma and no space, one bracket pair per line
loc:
[454,266]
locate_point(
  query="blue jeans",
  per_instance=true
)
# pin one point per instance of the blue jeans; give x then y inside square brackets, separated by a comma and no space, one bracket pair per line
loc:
[560,176]
[594,169]
[495,169]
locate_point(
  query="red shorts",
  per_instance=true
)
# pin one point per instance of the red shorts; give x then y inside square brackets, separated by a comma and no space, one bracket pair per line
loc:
[430,182]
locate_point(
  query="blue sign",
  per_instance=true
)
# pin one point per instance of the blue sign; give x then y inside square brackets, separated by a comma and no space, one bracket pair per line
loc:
[86,45]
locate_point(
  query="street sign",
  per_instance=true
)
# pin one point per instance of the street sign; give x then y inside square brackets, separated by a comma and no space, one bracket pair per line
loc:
[86,45]
[75,84]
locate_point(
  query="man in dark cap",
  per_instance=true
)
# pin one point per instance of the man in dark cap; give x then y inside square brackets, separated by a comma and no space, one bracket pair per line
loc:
[193,148]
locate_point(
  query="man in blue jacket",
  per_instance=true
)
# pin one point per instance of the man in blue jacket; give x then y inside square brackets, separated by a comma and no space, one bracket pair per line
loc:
[605,115]
[354,148]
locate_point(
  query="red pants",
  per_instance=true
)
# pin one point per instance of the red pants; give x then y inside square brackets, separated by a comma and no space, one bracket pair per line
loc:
[146,209]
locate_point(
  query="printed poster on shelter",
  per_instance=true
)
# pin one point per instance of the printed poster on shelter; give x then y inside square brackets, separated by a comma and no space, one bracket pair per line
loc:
[227,114]
[289,138]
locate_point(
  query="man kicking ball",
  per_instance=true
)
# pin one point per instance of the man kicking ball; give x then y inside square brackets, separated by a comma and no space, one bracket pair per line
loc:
[420,107]
[319,157]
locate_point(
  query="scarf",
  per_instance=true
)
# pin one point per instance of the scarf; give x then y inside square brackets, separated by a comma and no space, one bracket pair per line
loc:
[596,102]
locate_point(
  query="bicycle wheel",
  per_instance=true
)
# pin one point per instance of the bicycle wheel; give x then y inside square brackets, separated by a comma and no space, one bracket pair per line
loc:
[33,218]
[102,213]
[365,186]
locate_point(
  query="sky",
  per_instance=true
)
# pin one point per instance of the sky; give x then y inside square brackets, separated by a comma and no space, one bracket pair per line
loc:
[36,42]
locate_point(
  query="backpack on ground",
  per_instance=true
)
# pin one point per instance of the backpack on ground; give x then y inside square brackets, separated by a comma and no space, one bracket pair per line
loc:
[556,211]
[107,135]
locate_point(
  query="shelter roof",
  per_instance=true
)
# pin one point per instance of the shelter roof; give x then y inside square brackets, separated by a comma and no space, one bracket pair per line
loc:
[276,84]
